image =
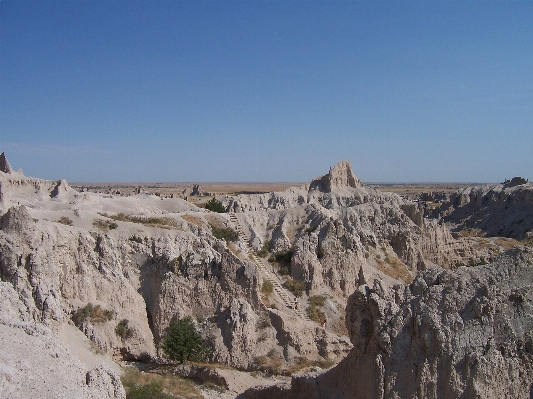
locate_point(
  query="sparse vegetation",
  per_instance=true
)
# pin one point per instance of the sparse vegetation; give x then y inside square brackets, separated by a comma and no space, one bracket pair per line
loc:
[264,251]
[65,220]
[283,260]
[267,287]
[94,314]
[295,286]
[224,233]
[123,331]
[182,343]
[270,363]
[104,225]
[147,220]
[154,386]
[215,205]
[153,390]
[194,220]
[313,311]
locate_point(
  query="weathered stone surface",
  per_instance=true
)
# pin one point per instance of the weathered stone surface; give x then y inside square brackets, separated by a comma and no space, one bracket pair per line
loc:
[141,273]
[335,226]
[4,164]
[61,189]
[339,177]
[449,334]
[497,210]
[34,363]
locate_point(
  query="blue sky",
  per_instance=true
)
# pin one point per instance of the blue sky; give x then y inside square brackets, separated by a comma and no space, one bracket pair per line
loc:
[205,91]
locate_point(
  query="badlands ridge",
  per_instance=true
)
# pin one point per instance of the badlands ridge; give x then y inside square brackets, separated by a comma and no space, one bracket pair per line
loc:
[419,299]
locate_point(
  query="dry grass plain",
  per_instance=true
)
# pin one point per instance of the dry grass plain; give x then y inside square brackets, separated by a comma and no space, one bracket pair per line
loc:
[404,189]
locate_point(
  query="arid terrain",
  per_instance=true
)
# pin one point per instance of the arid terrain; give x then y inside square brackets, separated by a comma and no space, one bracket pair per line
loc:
[327,289]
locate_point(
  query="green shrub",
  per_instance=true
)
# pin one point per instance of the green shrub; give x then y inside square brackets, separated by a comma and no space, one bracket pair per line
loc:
[153,390]
[281,257]
[317,300]
[215,206]
[267,287]
[122,330]
[223,233]
[183,343]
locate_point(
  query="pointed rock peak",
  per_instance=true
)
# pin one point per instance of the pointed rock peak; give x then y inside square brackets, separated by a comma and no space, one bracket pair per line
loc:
[362,280]
[16,219]
[61,188]
[339,177]
[4,164]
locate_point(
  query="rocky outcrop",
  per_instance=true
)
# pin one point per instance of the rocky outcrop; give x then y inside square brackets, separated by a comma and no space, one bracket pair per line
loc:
[497,210]
[61,189]
[339,177]
[334,234]
[4,164]
[449,334]
[34,363]
[146,276]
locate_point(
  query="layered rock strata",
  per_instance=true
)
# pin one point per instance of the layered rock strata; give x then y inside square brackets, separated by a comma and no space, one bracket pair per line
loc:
[449,334]
[497,210]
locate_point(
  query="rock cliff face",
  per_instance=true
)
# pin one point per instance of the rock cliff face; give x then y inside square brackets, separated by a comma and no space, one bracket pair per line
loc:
[449,334]
[34,362]
[497,210]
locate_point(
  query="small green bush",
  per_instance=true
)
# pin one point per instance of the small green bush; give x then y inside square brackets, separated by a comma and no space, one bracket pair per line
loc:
[215,206]
[281,257]
[153,390]
[223,233]
[267,287]
[122,330]
[317,300]
[183,343]
[104,225]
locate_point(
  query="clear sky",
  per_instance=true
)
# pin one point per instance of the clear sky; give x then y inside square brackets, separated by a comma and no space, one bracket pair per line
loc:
[205,91]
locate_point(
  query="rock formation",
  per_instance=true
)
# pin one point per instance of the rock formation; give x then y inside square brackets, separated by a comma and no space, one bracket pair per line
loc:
[4,164]
[93,260]
[335,226]
[141,273]
[339,177]
[498,210]
[449,334]
[34,362]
